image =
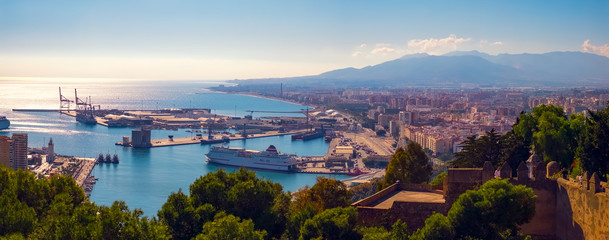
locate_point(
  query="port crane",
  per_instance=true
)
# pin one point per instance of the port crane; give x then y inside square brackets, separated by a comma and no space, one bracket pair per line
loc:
[64,102]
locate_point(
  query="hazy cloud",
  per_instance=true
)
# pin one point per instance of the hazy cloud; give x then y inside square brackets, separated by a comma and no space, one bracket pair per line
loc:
[359,50]
[600,50]
[497,43]
[436,46]
[383,49]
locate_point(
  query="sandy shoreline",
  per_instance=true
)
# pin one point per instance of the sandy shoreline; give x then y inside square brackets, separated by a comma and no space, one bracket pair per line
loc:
[266,97]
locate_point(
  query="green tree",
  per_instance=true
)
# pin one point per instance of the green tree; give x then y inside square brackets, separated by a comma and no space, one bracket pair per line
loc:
[230,227]
[437,227]
[476,151]
[335,223]
[242,194]
[514,150]
[593,144]
[57,208]
[439,180]
[494,211]
[549,131]
[399,230]
[410,166]
[325,194]
[182,219]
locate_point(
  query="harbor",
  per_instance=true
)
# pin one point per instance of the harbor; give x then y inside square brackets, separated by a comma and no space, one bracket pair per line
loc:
[146,176]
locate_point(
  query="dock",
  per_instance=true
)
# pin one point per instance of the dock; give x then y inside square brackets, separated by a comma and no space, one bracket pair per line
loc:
[197,140]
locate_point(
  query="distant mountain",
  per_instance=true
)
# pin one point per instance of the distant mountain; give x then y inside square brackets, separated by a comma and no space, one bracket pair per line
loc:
[472,68]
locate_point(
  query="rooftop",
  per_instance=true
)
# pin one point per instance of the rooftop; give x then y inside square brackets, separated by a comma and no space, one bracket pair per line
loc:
[407,196]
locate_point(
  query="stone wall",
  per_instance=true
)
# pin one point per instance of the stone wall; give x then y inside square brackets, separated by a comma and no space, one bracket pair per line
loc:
[581,213]
[564,209]
[413,214]
[543,223]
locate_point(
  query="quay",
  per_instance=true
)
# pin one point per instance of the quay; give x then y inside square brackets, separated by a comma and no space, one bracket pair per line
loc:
[197,140]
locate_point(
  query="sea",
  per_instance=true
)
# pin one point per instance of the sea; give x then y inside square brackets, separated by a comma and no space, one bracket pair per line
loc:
[145,177]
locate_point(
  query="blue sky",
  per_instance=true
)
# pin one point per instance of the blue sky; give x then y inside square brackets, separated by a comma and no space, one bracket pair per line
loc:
[220,40]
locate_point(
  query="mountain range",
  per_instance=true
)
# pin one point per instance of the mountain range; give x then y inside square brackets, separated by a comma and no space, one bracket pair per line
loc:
[469,69]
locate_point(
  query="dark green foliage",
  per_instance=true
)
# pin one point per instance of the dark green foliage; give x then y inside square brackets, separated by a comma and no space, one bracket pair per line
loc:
[242,194]
[439,180]
[230,227]
[296,220]
[593,147]
[478,150]
[375,233]
[182,219]
[547,129]
[399,231]
[514,150]
[57,208]
[494,148]
[494,211]
[410,166]
[325,194]
[381,132]
[335,223]
[363,190]
[497,206]
[437,227]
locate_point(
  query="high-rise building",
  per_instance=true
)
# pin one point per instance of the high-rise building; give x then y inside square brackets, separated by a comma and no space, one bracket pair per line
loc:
[51,151]
[5,151]
[394,129]
[19,151]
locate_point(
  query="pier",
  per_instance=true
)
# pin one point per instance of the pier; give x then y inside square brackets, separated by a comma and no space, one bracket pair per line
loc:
[197,140]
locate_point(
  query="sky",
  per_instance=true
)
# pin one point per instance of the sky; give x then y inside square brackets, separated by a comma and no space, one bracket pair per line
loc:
[223,40]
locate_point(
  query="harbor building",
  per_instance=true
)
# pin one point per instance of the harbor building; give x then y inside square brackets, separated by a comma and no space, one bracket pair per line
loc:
[19,151]
[140,138]
[5,151]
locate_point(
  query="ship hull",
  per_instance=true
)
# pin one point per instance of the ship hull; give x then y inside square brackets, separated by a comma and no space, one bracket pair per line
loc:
[4,124]
[257,162]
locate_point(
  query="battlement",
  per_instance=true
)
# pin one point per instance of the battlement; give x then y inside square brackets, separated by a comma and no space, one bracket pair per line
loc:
[564,208]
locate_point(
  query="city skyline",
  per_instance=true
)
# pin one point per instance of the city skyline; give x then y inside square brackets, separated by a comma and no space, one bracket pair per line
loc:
[193,40]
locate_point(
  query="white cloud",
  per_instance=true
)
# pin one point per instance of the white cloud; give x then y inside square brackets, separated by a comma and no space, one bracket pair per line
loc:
[599,50]
[483,42]
[359,50]
[497,43]
[383,49]
[436,46]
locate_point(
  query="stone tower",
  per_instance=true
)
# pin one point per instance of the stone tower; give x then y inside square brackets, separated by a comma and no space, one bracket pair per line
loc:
[51,151]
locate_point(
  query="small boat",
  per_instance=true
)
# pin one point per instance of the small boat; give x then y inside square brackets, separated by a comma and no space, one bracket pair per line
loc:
[115,158]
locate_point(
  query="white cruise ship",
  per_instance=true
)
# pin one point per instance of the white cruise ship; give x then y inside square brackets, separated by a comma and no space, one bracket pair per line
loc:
[269,159]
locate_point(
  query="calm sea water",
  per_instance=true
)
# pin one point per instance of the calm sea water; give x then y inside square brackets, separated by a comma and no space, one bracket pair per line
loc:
[145,177]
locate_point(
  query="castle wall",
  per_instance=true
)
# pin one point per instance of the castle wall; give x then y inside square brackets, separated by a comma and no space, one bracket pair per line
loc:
[581,214]
[413,214]
[543,223]
[564,209]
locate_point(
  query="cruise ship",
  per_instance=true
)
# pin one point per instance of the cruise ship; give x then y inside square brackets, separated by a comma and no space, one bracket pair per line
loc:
[4,123]
[270,159]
